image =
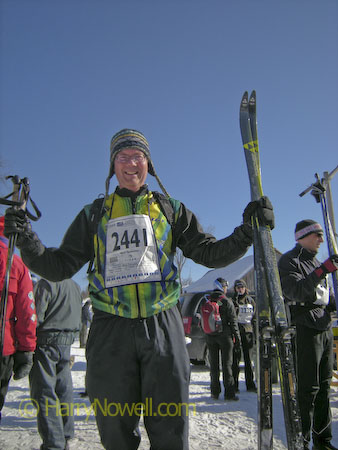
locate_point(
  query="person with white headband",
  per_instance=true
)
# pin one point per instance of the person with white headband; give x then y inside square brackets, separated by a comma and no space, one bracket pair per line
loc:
[307,296]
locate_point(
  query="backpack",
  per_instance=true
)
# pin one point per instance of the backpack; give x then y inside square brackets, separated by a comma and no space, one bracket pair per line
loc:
[211,321]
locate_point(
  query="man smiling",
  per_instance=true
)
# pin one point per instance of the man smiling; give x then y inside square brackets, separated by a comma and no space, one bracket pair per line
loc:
[131,169]
[136,347]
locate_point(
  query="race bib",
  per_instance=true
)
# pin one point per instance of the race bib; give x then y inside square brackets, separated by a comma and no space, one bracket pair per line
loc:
[245,313]
[131,251]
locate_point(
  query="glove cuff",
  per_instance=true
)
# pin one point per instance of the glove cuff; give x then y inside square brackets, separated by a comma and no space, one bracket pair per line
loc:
[247,230]
[329,265]
[30,243]
[320,272]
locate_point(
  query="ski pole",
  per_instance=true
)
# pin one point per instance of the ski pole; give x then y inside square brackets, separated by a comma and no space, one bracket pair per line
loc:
[318,190]
[20,196]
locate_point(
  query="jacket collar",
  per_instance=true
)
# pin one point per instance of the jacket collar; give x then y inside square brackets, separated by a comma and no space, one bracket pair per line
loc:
[123,192]
[304,253]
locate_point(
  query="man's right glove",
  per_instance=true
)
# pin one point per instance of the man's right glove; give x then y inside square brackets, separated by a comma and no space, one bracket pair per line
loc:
[264,210]
[23,362]
[17,222]
[328,266]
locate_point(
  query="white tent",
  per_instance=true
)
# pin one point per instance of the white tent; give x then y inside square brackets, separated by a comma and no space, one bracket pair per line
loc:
[230,273]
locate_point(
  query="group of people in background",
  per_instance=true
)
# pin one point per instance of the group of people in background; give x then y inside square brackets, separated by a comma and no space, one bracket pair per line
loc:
[234,339]
[309,303]
[136,346]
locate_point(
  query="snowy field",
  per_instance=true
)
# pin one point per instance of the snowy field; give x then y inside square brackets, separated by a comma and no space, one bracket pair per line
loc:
[214,425]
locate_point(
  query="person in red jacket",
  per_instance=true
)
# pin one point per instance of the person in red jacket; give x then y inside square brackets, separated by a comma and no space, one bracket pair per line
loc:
[20,326]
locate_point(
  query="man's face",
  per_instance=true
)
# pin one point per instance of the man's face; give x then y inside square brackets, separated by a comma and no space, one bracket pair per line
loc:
[131,169]
[312,242]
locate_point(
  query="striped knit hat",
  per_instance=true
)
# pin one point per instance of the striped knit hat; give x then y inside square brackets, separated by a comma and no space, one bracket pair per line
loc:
[129,138]
[306,227]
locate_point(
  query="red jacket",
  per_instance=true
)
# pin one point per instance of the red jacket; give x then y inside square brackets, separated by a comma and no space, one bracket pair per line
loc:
[20,330]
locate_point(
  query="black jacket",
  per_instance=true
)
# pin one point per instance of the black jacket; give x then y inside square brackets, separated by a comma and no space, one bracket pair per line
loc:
[227,312]
[299,282]
[76,248]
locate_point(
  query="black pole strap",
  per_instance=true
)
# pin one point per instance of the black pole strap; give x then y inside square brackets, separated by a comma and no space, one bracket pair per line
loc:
[22,189]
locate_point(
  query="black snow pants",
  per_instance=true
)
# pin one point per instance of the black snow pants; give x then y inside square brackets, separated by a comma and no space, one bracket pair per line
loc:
[136,365]
[314,373]
[247,342]
[6,370]
[223,343]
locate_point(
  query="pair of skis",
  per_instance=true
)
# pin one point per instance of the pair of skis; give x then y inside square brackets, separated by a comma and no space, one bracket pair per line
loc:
[272,322]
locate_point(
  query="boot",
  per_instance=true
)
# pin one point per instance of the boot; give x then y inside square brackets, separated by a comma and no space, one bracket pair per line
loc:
[230,394]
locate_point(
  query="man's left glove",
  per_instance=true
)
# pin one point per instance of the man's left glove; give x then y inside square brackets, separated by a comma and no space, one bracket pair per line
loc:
[264,210]
[328,266]
[23,362]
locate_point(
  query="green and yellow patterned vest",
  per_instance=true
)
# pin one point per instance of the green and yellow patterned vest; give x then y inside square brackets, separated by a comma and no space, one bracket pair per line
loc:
[142,299]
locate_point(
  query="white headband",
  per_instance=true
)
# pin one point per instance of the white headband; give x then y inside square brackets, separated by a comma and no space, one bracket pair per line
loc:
[314,228]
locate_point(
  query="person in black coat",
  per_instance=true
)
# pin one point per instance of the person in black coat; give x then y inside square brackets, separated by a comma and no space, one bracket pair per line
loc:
[306,292]
[223,342]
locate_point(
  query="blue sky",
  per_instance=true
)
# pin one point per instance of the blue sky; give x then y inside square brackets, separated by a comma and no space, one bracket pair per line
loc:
[73,72]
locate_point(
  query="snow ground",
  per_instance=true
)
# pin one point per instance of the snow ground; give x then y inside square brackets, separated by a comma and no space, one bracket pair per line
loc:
[214,424]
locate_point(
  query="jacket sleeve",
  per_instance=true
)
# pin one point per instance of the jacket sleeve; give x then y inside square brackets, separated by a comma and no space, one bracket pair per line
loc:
[42,296]
[24,310]
[230,317]
[76,249]
[205,249]
[296,286]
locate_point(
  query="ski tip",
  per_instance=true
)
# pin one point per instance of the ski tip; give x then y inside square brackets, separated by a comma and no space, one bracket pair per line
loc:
[252,100]
[244,101]
[245,96]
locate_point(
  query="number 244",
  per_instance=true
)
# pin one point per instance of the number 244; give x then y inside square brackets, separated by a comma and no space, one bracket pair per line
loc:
[123,240]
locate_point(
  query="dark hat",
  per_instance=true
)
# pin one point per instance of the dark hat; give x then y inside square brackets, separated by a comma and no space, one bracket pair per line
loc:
[306,227]
[128,138]
[220,283]
[240,283]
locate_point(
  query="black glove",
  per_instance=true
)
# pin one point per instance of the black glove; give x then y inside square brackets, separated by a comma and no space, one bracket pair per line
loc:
[328,266]
[17,222]
[264,210]
[23,362]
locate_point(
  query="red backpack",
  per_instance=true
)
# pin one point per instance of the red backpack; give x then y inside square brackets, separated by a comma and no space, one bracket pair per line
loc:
[211,321]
